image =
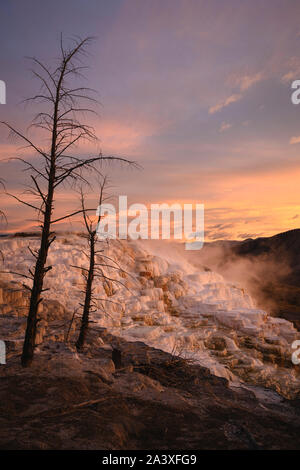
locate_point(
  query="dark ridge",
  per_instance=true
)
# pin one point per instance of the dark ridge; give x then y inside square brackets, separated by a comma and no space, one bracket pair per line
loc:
[274,273]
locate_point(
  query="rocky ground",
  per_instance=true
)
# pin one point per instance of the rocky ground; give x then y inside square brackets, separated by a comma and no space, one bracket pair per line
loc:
[216,372]
[152,400]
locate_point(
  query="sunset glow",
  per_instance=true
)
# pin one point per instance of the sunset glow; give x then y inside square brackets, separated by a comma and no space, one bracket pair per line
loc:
[208,117]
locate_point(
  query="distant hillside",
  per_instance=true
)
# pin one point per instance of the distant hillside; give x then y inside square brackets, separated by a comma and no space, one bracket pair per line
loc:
[268,266]
[284,245]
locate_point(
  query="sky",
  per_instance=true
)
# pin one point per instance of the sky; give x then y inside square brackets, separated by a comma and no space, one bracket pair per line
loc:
[198,93]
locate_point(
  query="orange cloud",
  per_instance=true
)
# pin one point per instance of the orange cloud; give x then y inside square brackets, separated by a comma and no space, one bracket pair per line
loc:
[225,126]
[240,81]
[295,140]
[222,104]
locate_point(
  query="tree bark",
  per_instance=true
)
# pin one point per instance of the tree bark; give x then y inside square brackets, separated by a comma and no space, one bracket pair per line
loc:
[40,266]
[88,295]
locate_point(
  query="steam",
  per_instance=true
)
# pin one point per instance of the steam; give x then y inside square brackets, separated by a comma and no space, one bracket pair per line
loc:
[251,273]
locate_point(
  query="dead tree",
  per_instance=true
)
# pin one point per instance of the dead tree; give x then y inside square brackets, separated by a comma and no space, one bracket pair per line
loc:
[90,272]
[97,263]
[61,119]
[2,214]
[2,217]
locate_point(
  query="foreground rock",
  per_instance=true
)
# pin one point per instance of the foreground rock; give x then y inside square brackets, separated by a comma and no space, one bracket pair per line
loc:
[154,401]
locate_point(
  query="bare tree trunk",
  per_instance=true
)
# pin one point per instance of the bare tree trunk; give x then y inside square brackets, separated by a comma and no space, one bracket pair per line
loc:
[88,294]
[40,266]
[38,280]
[98,263]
